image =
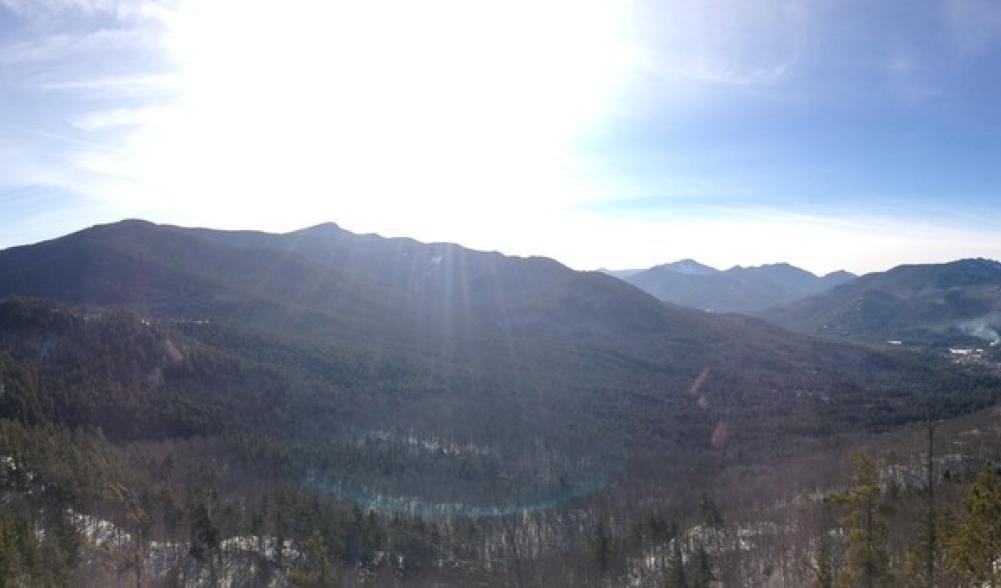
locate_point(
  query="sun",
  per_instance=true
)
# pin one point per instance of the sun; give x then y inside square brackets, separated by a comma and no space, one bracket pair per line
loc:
[353,110]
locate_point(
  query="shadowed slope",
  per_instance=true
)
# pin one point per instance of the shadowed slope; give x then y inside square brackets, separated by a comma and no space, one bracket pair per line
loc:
[547,370]
[951,303]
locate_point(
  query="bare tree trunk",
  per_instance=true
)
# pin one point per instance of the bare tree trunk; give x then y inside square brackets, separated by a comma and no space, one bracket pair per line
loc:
[931,504]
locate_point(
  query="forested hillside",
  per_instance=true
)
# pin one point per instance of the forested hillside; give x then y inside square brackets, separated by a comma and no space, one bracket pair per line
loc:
[957,303]
[194,407]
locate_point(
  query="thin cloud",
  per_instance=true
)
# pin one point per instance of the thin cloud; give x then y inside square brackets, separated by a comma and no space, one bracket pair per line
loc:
[733,76]
[973,26]
[124,10]
[345,114]
[64,46]
[724,42]
[113,119]
[124,83]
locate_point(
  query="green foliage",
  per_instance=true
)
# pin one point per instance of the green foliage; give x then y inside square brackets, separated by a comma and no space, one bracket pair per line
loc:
[44,472]
[975,547]
[867,560]
[675,576]
[205,535]
[913,572]
[823,563]
[316,571]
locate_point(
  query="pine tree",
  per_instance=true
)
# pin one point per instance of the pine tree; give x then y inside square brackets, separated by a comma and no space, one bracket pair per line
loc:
[930,531]
[922,564]
[60,550]
[317,572]
[10,541]
[601,545]
[976,546]
[675,576]
[139,522]
[711,514]
[867,560]
[204,533]
[823,564]
[702,570]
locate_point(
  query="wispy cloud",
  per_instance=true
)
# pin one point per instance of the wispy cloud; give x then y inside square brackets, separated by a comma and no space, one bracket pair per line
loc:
[704,124]
[130,84]
[62,46]
[973,26]
[125,10]
[727,42]
[114,119]
[74,68]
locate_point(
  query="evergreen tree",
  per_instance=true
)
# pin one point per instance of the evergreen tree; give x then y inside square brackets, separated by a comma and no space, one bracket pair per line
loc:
[711,515]
[823,562]
[867,560]
[12,537]
[317,571]
[601,545]
[702,570]
[975,548]
[204,534]
[930,531]
[675,576]
[60,551]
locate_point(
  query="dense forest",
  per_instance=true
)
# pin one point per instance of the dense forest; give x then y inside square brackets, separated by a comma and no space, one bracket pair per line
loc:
[134,453]
[80,509]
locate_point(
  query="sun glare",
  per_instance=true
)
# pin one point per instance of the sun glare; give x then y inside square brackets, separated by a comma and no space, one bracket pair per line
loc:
[355,107]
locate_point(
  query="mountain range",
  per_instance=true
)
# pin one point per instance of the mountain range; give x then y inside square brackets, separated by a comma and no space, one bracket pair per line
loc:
[948,304]
[738,289]
[493,349]
[375,395]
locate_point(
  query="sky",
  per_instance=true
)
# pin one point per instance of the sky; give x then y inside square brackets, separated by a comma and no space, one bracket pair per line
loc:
[829,134]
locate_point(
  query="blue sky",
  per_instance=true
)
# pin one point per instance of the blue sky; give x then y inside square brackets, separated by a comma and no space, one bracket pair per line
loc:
[831,133]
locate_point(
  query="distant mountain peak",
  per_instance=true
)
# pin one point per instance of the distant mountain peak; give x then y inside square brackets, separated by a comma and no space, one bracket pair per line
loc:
[133,222]
[766,267]
[129,223]
[979,262]
[327,227]
[688,267]
[738,289]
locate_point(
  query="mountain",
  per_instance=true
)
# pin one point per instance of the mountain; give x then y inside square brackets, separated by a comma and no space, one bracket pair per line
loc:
[689,267]
[684,266]
[621,274]
[380,393]
[523,337]
[950,303]
[738,289]
[836,278]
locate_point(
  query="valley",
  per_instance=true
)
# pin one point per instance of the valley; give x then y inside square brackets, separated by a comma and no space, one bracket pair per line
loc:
[241,407]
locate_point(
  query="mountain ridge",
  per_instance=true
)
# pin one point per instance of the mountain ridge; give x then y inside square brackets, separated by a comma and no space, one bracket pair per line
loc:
[405,378]
[326,285]
[921,303]
[737,289]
